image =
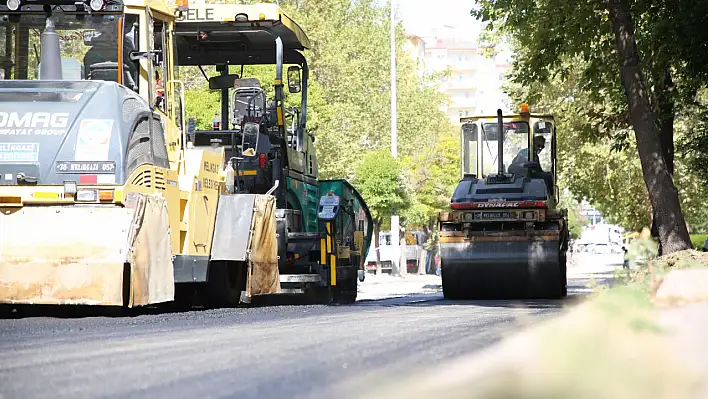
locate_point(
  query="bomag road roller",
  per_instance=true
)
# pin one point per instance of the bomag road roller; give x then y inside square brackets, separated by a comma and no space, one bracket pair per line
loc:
[504,236]
[102,200]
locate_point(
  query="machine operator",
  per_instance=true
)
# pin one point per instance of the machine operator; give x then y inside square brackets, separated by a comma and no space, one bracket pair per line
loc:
[539,143]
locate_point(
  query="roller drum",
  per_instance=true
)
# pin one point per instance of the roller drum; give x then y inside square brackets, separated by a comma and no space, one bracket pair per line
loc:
[502,270]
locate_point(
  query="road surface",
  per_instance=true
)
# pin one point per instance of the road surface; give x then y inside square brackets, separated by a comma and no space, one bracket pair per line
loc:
[267,352]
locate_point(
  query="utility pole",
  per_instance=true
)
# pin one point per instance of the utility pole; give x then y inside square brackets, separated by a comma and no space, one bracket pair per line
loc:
[399,267]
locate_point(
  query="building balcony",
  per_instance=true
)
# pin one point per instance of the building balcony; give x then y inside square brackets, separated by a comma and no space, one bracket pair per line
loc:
[462,65]
[464,84]
[461,102]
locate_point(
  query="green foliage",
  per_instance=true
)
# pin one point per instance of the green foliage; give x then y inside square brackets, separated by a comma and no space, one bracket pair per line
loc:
[202,104]
[693,143]
[349,63]
[697,240]
[566,64]
[349,102]
[548,34]
[379,178]
[576,221]
[433,177]
[588,164]
[592,168]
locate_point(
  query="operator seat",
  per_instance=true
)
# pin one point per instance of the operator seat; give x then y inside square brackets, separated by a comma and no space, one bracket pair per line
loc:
[517,168]
[103,57]
[240,107]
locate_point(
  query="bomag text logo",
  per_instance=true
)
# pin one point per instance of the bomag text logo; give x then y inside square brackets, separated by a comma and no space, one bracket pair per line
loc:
[33,123]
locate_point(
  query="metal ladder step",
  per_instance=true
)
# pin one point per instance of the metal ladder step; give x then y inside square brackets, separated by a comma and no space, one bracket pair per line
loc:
[297,279]
[292,291]
[300,278]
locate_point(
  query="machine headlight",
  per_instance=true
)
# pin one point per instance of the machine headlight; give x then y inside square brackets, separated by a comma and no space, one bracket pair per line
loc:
[96,5]
[13,5]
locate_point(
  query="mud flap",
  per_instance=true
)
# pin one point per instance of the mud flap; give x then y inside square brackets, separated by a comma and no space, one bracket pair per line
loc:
[263,275]
[76,255]
[151,272]
[520,269]
[245,232]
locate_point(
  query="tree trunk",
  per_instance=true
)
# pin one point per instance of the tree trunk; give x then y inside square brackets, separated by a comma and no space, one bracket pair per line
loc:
[665,109]
[662,192]
[665,102]
[377,228]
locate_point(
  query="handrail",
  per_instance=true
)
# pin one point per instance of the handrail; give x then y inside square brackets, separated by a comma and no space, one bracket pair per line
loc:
[183,130]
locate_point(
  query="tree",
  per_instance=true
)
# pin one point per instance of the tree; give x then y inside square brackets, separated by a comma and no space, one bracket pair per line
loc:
[576,221]
[547,35]
[673,234]
[349,94]
[587,148]
[379,179]
[434,174]
[349,103]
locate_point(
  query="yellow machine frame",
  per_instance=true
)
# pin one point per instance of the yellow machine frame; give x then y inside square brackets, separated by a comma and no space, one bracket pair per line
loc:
[185,196]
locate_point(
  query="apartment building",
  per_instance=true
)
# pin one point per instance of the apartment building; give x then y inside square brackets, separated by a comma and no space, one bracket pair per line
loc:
[475,82]
[415,48]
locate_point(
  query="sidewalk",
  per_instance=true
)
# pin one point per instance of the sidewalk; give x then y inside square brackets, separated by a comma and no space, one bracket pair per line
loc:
[580,266]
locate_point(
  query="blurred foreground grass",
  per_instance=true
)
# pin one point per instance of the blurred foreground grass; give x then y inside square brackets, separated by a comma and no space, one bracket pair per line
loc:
[608,347]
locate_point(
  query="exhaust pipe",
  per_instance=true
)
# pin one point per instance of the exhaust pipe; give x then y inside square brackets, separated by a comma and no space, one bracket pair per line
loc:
[50,58]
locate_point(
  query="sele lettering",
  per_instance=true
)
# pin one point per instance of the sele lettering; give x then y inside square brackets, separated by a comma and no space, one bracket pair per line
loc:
[197,14]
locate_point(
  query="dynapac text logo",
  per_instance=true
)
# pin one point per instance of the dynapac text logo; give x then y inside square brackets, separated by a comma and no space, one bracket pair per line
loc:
[33,123]
[498,205]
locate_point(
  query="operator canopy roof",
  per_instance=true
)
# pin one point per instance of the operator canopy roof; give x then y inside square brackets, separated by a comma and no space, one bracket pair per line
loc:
[236,34]
[507,118]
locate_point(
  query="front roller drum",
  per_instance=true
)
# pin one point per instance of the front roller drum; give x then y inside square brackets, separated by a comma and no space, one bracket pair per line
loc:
[502,270]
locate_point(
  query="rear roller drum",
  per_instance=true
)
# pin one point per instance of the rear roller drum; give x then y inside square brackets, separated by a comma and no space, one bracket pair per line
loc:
[9,311]
[346,289]
[319,295]
[225,282]
[345,292]
[564,274]
[452,289]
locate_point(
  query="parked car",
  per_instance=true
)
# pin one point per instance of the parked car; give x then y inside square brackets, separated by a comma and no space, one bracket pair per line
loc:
[604,248]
